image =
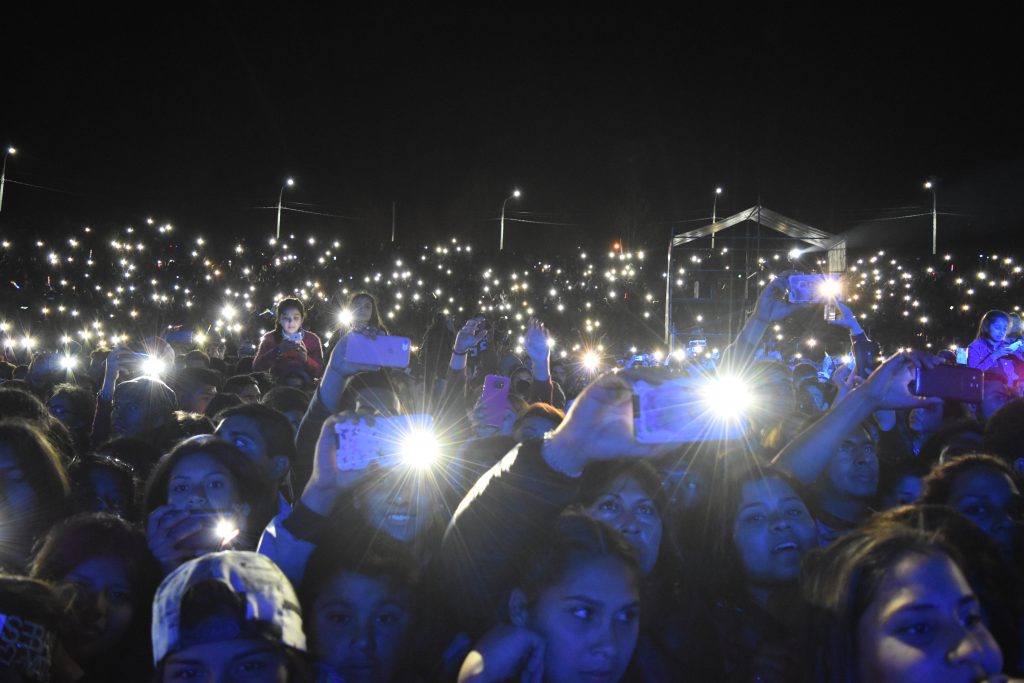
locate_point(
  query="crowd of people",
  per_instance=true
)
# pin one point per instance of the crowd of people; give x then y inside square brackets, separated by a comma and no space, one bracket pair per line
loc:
[171,512]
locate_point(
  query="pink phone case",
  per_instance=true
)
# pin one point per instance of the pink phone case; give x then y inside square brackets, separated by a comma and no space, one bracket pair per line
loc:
[384,350]
[494,399]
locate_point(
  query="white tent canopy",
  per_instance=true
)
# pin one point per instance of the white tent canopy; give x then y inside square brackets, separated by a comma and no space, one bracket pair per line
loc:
[833,244]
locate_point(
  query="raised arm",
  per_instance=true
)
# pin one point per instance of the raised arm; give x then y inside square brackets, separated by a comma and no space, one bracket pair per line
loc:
[807,456]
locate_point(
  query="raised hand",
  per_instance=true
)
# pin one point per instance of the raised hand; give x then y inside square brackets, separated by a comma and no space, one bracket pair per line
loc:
[772,305]
[848,320]
[888,386]
[469,336]
[599,426]
[505,653]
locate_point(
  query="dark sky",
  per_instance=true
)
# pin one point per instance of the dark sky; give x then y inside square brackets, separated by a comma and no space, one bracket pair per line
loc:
[605,117]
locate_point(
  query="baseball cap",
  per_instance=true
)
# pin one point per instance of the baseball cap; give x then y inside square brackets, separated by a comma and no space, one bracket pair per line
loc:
[225,596]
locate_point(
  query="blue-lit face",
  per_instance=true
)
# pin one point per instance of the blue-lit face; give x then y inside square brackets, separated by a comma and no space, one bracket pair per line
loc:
[589,621]
[772,532]
[997,328]
[625,506]
[853,469]
[360,627]
[991,500]
[924,624]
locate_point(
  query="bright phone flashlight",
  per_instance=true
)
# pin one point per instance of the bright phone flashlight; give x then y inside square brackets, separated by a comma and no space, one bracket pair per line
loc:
[591,360]
[830,289]
[225,530]
[153,367]
[68,362]
[727,397]
[345,317]
[420,448]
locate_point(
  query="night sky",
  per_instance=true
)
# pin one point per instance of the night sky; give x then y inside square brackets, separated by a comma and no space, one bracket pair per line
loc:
[616,123]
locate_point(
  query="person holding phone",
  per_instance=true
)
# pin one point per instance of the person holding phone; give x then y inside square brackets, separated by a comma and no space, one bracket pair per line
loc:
[202,482]
[289,341]
[990,350]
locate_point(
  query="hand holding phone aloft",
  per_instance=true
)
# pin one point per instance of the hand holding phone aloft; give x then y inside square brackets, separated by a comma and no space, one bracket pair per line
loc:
[383,350]
[387,442]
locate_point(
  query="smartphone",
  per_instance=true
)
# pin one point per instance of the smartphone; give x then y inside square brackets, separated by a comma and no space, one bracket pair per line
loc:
[818,288]
[953,382]
[220,528]
[831,312]
[961,355]
[383,350]
[358,445]
[680,411]
[494,399]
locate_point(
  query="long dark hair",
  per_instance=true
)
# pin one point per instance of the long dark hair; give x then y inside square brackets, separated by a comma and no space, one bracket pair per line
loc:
[839,584]
[375,319]
[44,472]
[282,305]
[79,539]
[987,320]
[253,489]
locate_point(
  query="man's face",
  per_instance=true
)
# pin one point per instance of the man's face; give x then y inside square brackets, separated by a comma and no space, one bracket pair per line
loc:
[244,433]
[853,469]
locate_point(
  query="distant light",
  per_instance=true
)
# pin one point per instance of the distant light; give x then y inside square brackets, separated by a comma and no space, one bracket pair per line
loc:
[11,150]
[290,182]
[516,193]
[928,185]
[718,190]
[794,253]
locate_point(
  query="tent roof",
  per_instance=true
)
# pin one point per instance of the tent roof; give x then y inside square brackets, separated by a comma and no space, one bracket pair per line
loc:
[767,218]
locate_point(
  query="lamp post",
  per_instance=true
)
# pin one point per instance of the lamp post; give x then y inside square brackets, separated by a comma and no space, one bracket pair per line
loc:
[280,196]
[714,215]
[930,185]
[3,174]
[501,240]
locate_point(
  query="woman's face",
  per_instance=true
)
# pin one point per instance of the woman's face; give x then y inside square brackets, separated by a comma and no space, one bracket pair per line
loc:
[924,624]
[110,604]
[772,532]
[625,506]
[291,320]
[362,311]
[200,482]
[926,419]
[997,328]
[589,621]
[990,499]
[361,626]
[400,503]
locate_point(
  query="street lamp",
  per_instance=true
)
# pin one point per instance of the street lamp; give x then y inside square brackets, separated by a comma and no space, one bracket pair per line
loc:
[501,240]
[280,196]
[714,215]
[930,185]
[3,174]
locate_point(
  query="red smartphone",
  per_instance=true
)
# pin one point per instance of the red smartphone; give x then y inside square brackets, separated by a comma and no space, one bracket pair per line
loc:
[494,399]
[383,350]
[954,382]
